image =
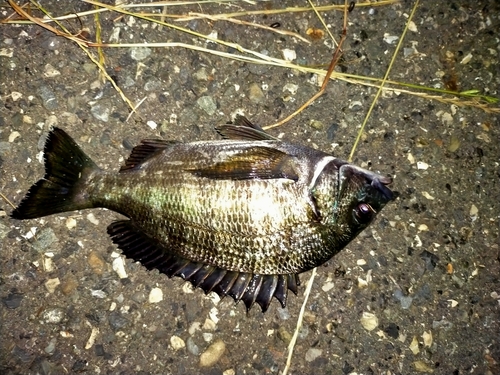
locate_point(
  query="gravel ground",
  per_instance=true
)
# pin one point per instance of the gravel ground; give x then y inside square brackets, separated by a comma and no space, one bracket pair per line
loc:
[425,275]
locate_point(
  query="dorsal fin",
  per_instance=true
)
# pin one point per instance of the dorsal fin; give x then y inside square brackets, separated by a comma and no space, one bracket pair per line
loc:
[253,162]
[248,287]
[144,151]
[244,130]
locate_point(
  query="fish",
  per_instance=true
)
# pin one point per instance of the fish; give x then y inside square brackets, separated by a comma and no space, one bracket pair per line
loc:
[241,216]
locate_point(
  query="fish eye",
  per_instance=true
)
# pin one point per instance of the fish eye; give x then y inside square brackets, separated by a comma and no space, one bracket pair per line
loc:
[363,213]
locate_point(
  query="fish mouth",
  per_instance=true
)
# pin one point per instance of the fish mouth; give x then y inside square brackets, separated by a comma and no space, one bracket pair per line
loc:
[377,181]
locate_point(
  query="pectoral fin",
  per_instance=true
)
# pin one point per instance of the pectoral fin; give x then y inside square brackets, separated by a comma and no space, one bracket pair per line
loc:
[255,162]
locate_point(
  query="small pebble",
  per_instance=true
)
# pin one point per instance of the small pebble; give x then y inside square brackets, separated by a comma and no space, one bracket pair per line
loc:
[13,300]
[422,165]
[177,343]
[52,284]
[100,112]
[414,346]
[412,27]
[98,293]
[53,316]
[45,239]
[201,75]
[48,263]
[284,335]
[192,347]
[407,52]
[156,295]
[318,125]
[49,349]
[13,136]
[213,353]
[289,54]
[49,71]
[96,263]
[68,285]
[473,211]
[291,88]
[48,98]
[91,217]
[390,39]
[312,354]
[117,321]
[406,302]
[255,93]
[209,325]
[153,84]
[119,267]
[428,196]
[207,103]
[139,297]
[89,68]
[328,286]
[466,59]
[422,367]
[139,53]
[207,336]
[70,223]
[427,336]
[369,321]
[153,125]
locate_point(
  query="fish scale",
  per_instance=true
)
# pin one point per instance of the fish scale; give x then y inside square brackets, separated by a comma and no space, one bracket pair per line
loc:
[241,216]
[193,226]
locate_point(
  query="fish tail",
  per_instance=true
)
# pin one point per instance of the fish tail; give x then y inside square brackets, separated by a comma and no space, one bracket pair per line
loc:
[63,188]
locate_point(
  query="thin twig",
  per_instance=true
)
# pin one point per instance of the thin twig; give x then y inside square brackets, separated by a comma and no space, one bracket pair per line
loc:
[83,44]
[474,98]
[383,81]
[253,24]
[7,200]
[333,63]
[300,319]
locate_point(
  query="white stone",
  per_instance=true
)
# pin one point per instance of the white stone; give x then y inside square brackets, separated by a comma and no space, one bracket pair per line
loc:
[91,217]
[177,343]
[213,353]
[312,354]
[119,267]
[369,321]
[422,165]
[52,284]
[289,54]
[156,295]
[70,223]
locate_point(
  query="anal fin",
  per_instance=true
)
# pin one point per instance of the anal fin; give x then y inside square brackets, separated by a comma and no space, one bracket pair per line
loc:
[247,287]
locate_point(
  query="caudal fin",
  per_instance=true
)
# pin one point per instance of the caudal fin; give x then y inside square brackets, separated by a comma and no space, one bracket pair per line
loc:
[62,187]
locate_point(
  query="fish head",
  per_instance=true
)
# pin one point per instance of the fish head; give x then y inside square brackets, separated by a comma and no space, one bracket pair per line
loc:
[349,198]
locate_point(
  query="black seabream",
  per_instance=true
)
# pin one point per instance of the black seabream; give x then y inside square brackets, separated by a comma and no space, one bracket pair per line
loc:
[241,216]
